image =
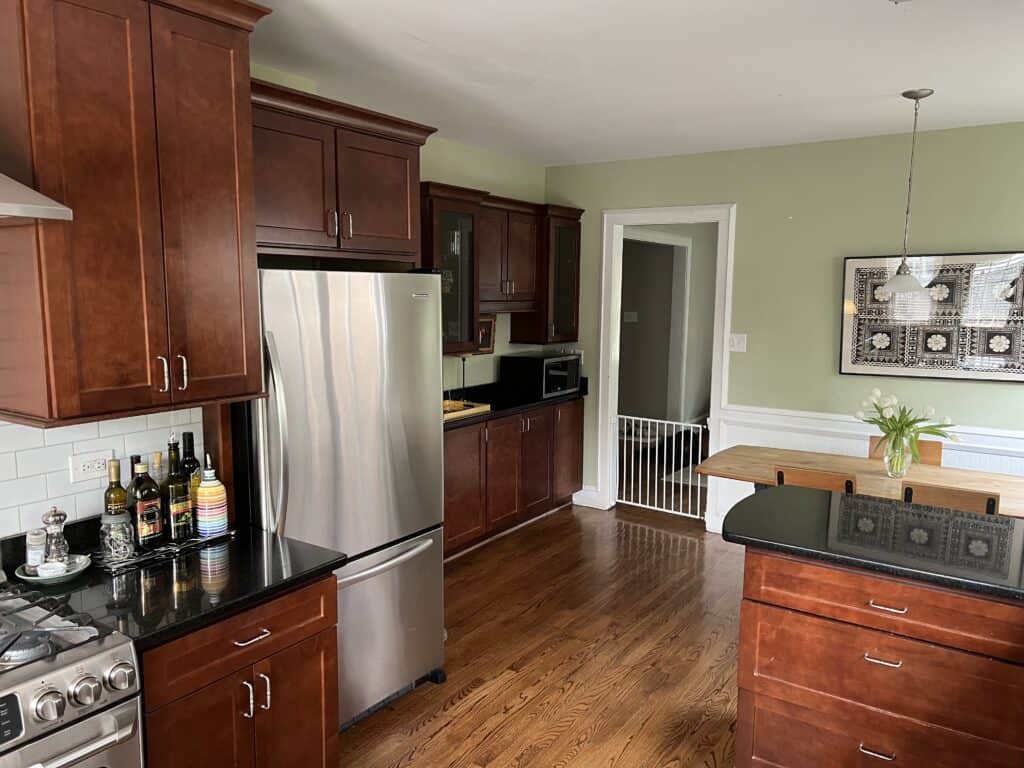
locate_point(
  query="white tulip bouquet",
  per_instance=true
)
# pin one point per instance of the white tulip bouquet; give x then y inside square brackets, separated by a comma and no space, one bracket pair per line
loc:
[901,429]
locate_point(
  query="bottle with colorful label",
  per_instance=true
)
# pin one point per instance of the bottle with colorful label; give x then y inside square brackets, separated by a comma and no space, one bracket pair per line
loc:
[147,512]
[177,499]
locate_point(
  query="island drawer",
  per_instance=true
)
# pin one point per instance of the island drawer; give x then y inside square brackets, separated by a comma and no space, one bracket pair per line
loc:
[805,659]
[786,735]
[185,665]
[947,617]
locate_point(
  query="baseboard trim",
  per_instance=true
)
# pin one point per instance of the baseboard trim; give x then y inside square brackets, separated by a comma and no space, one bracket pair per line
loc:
[589,497]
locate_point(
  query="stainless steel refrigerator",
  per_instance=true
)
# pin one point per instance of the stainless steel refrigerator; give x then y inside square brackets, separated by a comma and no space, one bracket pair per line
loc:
[349,451]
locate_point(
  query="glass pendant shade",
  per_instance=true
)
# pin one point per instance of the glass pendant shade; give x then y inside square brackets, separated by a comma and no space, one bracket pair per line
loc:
[903,282]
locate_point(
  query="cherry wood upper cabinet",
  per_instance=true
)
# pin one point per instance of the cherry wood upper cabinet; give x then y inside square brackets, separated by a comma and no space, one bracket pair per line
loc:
[296,186]
[558,267]
[201,73]
[465,486]
[367,204]
[538,435]
[157,269]
[567,456]
[90,95]
[508,255]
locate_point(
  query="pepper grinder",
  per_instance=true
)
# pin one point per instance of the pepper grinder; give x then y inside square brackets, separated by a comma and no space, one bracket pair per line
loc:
[56,544]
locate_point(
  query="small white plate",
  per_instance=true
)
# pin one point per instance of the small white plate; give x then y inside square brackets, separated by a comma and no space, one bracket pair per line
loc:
[76,565]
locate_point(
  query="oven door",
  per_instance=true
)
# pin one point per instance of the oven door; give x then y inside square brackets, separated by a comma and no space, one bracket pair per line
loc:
[110,739]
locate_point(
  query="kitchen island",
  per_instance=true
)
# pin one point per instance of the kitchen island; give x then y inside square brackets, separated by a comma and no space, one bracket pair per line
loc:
[877,632]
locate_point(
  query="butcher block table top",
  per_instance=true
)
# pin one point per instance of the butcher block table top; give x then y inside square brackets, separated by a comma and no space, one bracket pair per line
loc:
[754,464]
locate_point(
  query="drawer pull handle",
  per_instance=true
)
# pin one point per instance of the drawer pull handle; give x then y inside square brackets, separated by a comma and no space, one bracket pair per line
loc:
[263,635]
[886,608]
[883,662]
[876,755]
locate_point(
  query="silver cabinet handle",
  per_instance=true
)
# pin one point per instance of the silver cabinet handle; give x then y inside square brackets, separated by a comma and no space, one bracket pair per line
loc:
[877,755]
[266,679]
[351,227]
[886,608]
[263,635]
[252,699]
[184,373]
[883,662]
[332,222]
[167,373]
[274,364]
[387,565]
[513,287]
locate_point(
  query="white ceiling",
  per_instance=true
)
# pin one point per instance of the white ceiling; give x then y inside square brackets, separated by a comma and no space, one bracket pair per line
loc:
[566,81]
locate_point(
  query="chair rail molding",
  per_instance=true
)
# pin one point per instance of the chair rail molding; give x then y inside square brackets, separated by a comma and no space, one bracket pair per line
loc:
[981,448]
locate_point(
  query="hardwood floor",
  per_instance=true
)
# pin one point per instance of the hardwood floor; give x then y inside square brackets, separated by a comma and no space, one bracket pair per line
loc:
[587,639]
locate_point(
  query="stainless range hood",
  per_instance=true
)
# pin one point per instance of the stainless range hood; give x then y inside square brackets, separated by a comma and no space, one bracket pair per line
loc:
[20,201]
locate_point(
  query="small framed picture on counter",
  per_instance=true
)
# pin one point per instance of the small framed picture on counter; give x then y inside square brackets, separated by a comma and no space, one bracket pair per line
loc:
[485,335]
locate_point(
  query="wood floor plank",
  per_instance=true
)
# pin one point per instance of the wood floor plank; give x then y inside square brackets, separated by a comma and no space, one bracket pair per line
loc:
[589,639]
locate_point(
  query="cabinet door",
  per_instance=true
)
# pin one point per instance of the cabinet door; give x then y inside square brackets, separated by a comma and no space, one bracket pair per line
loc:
[204,123]
[94,140]
[378,193]
[492,244]
[454,255]
[212,728]
[567,464]
[296,190]
[297,705]
[564,269]
[504,455]
[465,486]
[522,257]
[535,492]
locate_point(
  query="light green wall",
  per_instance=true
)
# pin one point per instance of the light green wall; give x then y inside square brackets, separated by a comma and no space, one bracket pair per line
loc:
[800,210]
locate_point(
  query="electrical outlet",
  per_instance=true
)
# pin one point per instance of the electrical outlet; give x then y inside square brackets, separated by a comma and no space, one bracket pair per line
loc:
[630,317]
[87,466]
[737,342]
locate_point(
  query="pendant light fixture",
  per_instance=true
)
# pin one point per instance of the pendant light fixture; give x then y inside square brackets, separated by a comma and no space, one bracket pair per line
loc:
[904,281]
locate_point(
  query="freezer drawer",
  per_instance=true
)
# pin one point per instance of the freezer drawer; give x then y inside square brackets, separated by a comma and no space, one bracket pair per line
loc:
[390,622]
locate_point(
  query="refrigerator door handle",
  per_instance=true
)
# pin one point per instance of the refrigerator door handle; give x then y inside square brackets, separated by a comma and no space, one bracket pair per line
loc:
[280,507]
[387,565]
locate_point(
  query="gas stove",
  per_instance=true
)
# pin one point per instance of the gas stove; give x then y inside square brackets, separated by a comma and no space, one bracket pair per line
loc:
[57,668]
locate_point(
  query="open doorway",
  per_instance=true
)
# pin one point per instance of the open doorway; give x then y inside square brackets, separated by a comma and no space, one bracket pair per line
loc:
[664,320]
[665,347]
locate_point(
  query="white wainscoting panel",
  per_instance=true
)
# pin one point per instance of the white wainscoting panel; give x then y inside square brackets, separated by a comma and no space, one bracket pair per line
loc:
[989,450]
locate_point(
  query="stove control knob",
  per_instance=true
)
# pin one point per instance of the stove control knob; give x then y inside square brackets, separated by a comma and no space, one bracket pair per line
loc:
[121,676]
[86,691]
[50,705]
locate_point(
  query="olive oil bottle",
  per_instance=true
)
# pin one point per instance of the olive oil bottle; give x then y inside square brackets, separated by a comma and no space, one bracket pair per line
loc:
[115,498]
[147,513]
[190,466]
[177,499]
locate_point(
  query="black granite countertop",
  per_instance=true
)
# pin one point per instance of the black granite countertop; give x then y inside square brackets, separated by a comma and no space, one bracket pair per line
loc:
[174,597]
[962,550]
[504,402]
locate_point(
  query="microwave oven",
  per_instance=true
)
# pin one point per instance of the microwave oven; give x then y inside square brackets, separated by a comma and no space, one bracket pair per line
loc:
[540,374]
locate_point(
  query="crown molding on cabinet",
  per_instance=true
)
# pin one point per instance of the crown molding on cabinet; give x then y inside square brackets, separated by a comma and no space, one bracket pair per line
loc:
[236,13]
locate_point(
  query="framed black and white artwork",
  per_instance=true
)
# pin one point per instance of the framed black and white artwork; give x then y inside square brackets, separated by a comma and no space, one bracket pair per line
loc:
[968,323]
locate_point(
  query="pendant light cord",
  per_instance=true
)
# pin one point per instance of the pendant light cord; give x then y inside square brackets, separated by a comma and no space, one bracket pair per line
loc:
[910,181]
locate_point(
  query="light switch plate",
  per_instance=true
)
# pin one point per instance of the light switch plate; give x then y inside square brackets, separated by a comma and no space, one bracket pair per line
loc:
[737,342]
[630,317]
[88,466]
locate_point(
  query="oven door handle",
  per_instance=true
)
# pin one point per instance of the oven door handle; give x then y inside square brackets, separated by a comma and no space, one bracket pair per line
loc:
[89,750]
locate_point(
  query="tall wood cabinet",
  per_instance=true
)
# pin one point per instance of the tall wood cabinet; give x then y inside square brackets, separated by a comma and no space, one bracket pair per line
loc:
[135,114]
[335,177]
[556,318]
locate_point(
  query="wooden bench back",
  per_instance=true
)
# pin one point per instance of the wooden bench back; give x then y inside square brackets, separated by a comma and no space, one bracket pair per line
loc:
[815,478]
[982,502]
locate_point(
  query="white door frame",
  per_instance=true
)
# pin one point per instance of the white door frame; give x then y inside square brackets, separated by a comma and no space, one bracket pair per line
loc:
[724,216]
[679,333]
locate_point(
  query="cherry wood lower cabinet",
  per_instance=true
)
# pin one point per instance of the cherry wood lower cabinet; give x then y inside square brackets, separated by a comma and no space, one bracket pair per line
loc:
[270,702]
[822,684]
[509,469]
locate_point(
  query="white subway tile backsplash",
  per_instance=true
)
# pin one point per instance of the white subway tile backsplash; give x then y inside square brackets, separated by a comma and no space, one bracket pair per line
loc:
[24,490]
[31,515]
[8,467]
[38,461]
[122,426]
[58,435]
[15,437]
[34,466]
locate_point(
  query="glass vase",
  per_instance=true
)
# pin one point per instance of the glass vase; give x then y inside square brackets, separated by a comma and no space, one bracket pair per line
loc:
[898,457]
